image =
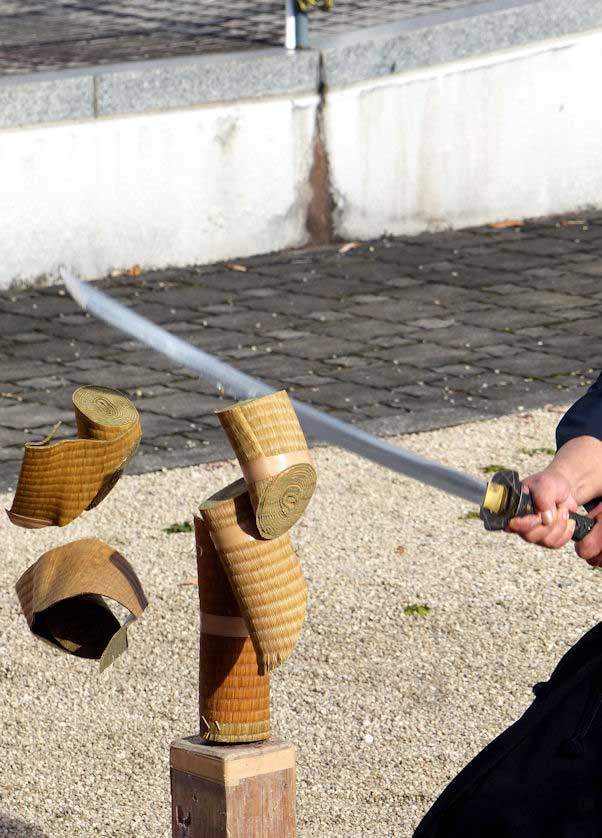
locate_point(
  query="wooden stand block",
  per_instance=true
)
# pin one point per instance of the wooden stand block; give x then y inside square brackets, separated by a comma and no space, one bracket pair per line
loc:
[232,791]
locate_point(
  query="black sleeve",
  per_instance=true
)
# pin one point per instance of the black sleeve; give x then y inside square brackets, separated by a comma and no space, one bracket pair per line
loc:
[584,418]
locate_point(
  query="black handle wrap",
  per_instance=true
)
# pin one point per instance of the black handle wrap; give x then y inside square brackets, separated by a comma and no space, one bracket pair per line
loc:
[583,524]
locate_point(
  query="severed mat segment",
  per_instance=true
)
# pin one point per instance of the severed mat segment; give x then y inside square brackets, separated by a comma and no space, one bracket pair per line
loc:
[60,479]
[64,596]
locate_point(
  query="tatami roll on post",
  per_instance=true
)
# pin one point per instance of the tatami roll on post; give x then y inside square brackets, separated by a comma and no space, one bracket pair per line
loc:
[234,699]
[276,463]
[265,575]
[60,479]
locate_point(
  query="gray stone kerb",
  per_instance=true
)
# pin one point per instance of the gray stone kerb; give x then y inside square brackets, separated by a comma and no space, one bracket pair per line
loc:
[160,85]
[332,61]
[449,36]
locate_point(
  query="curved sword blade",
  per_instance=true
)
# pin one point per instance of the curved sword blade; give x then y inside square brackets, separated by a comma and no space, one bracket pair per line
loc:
[232,382]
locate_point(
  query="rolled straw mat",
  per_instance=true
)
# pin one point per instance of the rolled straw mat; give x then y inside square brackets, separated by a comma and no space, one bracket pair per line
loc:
[59,480]
[61,596]
[265,575]
[234,700]
[272,451]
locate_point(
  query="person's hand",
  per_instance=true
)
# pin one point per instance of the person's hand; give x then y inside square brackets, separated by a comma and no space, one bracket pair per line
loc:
[553,500]
[590,547]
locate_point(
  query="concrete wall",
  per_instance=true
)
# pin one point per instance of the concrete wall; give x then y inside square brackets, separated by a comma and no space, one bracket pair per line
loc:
[177,188]
[512,135]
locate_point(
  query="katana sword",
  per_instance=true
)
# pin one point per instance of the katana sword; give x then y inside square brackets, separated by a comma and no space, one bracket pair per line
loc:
[499,499]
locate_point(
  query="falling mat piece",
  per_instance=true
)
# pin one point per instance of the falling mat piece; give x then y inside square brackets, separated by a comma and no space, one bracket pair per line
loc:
[63,599]
[59,480]
[234,700]
[265,575]
[272,451]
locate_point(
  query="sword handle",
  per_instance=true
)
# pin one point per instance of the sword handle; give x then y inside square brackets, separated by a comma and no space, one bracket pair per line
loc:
[583,524]
[511,502]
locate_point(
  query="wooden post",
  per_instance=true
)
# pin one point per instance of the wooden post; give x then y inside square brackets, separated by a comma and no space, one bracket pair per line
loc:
[232,791]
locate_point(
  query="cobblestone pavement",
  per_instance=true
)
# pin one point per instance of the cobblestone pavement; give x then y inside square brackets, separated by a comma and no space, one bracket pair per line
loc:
[52,34]
[400,334]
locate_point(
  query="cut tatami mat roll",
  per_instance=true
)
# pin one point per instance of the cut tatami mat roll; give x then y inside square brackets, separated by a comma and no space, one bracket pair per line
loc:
[265,575]
[272,451]
[234,700]
[60,479]
[62,597]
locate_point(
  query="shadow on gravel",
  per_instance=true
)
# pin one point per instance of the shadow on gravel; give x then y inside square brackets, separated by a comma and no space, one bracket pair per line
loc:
[15,828]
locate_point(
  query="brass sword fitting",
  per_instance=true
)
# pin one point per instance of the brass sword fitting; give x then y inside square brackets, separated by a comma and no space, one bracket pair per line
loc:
[504,499]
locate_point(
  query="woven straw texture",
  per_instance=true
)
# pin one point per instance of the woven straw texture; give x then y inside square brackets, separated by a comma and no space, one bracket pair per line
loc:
[234,700]
[265,575]
[59,480]
[61,596]
[266,427]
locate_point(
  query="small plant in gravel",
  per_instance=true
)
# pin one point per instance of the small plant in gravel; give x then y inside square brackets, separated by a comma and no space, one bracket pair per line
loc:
[417,609]
[532,452]
[492,468]
[469,515]
[185,526]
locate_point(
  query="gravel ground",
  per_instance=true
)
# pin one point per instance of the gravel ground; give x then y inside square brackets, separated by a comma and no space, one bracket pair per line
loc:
[384,707]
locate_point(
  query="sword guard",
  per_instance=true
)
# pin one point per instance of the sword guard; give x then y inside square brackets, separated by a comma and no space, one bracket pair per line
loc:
[515,504]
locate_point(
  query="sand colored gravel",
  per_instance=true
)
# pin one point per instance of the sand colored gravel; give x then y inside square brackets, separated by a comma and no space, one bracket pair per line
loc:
[384,707]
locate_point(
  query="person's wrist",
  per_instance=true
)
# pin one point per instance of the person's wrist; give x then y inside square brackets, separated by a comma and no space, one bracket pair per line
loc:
[560,471]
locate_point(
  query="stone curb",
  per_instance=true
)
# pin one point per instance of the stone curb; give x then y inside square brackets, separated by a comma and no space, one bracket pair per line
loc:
[150,86]
[339,60]
[449,36]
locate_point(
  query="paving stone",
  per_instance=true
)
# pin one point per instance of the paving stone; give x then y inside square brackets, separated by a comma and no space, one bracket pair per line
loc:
[184,405]
[326,316]
[444,294]
[433,323]
[593,268]
[248,321]
[573,346]
[32,415]
[121,376]
[500,350]
[419,354]
[360,328]
[288,334]
[532,364]
[341,394]
[385,375]
[399,311]
[292,304]
[44,382]
[321,348]
[19,370]
[310,380]
[387,341]
[469,336]
[462,370]
[587,327]
[505,319]
[29,337]
[348,361]
[12,437]
[154,425]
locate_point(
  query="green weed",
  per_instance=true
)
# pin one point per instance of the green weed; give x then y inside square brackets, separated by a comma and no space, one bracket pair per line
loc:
[421,610]
[532,452]
[493,467]
[185,526]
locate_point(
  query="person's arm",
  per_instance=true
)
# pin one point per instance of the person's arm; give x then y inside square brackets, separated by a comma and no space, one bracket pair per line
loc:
[573,478]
